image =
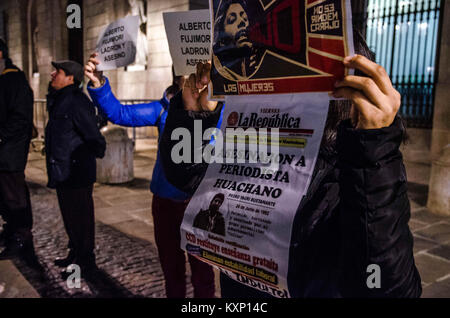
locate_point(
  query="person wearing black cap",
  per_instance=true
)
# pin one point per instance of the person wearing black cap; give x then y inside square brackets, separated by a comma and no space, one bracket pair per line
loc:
[72,142]
[16,122]
[212,220]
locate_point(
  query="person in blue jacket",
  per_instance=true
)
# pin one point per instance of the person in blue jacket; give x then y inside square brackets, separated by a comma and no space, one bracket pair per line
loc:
[168,202]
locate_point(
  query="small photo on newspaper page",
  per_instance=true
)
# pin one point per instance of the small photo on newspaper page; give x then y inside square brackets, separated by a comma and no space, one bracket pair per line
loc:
[278,46]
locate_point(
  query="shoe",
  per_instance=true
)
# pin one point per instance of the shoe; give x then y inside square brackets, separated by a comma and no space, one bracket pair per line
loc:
[64,262]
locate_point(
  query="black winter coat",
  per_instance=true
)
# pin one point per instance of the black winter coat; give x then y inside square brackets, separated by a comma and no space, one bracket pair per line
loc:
[355,213]
[72,139]
[16,118]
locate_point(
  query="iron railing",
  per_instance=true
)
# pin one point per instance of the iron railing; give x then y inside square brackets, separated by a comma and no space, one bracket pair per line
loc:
[404,36]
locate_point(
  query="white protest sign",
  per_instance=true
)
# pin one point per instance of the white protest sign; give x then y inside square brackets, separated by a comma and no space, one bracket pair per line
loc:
[241,216]
[188,34]
[117,44]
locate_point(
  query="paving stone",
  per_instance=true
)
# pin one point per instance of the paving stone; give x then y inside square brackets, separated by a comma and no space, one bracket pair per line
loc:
[100,203]
[125,251]
[139,184]
[421,244]
[144,215]
[140,161]
[415,225]
[108,192]
[418,192]
[126,198]
[126,206]
[13,284]
[431,268]
[437,290]
[441,251]
[423,215]
[414,206]
[438,232]
[111,215]
[136,229]
[127,255]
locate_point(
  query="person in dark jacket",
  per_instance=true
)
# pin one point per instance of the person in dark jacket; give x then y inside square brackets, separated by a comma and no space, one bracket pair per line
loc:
[211,219]
[16,122]
[356,209]
[168,203]
[72,143]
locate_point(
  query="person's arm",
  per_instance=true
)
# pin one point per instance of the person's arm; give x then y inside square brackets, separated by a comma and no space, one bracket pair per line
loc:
[137,115]
[374,209]
[19,102]
[186,107]
[86,125]
[186,176]
[375,212]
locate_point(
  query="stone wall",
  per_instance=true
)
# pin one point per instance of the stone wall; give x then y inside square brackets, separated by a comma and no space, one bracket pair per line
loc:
[15,33]
[52,42]
[149,83]
[51,39]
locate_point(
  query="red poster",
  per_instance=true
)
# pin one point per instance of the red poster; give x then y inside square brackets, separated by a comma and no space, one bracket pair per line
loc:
[278,46]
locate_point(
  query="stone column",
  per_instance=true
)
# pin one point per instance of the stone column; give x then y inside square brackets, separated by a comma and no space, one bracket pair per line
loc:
[117,165]
[439,195]
[441,121]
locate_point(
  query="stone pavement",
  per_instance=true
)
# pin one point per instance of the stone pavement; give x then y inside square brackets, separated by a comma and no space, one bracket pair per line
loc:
[127,255]
[125,249]
[431,235]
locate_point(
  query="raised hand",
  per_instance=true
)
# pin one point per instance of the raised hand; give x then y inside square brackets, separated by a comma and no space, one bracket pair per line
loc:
[195,90]
[375,101]
[90,71]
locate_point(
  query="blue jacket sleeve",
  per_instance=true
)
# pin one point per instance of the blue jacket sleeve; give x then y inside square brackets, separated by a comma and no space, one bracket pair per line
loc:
[137,115]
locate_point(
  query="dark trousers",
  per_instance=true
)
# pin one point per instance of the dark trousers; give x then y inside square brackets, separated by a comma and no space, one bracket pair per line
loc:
[77,210]
[15,205]
[167,219]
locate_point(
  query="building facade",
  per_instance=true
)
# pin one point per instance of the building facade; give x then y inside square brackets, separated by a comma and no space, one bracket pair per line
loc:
[37,33]
[409,37]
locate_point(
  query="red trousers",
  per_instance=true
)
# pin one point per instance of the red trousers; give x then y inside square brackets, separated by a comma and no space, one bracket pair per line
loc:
[167,218]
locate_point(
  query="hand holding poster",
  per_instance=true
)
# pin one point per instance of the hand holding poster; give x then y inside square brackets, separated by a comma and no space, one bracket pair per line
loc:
[279,46]
[117,44]
[189,37]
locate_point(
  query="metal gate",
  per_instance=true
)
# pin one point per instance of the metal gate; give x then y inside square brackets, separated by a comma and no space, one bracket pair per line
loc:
[404,35]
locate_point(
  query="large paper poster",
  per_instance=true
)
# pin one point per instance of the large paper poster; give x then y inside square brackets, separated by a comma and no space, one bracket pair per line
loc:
[240,218]
[116,45]
[279,46]
[189,37]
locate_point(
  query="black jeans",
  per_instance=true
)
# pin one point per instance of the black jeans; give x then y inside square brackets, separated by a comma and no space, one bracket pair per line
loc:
[15,205]
[77,209]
